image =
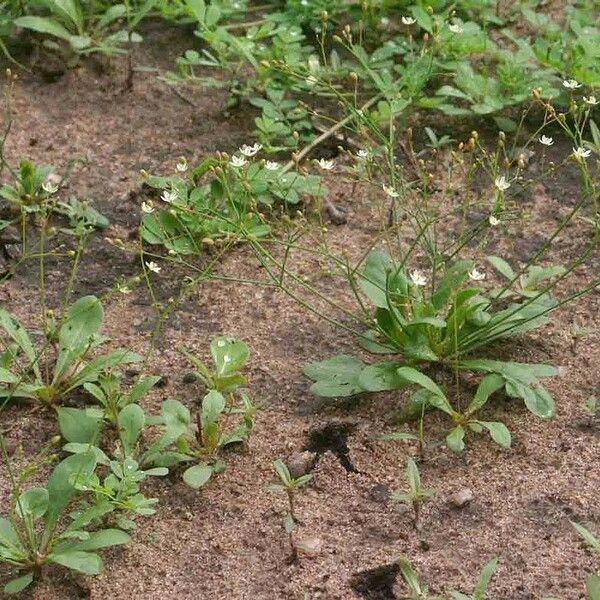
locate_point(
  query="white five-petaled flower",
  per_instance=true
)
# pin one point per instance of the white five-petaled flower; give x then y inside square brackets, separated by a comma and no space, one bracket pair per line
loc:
[238,161]
[152,266]
[182,165]
[390,191]
[493,221]
[325,164]
[408,20]
[49,187]
[581,153]
[571,84]
[501,183]
[418,278]
[272,165]
[362,154]
[591,100]
[250,151]
[476,275]
[147,207]
[546,141]
[169,197]
[455,28]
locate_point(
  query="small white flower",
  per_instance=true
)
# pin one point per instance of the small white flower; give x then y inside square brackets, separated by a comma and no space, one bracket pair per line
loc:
[501,183]
[169,197]
[238,161]
[326,165]
[49,187]
[311,80]
[581,153]
[546,141]
[408,20]
[571,84]
[147,207]
[418,278]
[390,191]
[454,28]
[591,100]
[250,151]
[362,154]
[272,165]
[152,266]
[494,221]
[476,275]
[182,165]
[123,289]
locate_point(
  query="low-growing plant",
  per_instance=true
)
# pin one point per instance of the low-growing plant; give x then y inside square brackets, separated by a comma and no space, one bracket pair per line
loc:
[63,362]
[35,533]
[417,495]
[85,30]
[197,215]
[411,578]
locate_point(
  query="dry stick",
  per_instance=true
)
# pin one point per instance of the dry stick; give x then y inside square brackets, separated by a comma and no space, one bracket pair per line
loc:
[327,134]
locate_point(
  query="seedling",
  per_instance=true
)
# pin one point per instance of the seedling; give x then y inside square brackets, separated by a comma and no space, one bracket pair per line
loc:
[417,494]
[412,580]
[483,582]
[290,485]
[432,396]
[34,535]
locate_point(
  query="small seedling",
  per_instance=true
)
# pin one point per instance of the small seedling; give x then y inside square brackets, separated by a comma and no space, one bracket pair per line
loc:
[592,583]
[290,485]
[412,580]
[481,587]
[417,494]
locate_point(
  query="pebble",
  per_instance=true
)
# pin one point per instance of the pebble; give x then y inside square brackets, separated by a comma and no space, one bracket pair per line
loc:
[461,498]
[309,546]
[301,463]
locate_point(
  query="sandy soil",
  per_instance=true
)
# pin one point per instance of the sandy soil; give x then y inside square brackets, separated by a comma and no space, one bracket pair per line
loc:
[227,541]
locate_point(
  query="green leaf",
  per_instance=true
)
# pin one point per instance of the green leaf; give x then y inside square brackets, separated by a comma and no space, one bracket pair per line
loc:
[83,562]
[499,432]
[83,321]
[14,586]
[19,334]
[413,476]
[588,536]
[415,376]
[502,267]
[283,472]
[60,489]
[213,405]
[32,504]
[488,385]
[380,377]
[455,439]
[44,25]
[480,591]
[373,279]
[335,377]
[99,539]
[78,426]
[410,575]
[229,355]
[592,585]
[198,475]
[131,421]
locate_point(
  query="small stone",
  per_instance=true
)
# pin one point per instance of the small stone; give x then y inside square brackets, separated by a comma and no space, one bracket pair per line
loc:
[461,498]
[309,546]
[379,493]
[301,463]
